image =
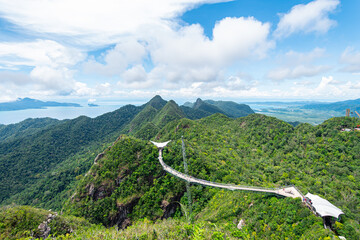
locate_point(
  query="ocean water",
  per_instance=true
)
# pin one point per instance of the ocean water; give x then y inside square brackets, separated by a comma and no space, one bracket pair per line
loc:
[9,117]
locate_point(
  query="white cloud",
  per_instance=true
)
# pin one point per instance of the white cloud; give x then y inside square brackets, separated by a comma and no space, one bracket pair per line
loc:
[39,52]
[14,78]
[312,17]
[188,55]
[233,39]
[295,65]
[135,74]
[296,72]
[327,87]
[49,62]
[351,58]
[128,51]
[184,55]
[143,33]
[237,83]
[93,22]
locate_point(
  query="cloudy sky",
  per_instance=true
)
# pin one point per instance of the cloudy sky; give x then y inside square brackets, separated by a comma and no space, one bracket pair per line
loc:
[180,49]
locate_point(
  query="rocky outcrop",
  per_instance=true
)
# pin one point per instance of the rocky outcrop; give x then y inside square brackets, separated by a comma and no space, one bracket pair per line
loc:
[98,157]
[241,224]
[121,218]
[98,193]
[169,208]
[44,227]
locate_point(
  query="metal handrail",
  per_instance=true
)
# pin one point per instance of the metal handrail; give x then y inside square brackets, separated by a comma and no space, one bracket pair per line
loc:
[209,183]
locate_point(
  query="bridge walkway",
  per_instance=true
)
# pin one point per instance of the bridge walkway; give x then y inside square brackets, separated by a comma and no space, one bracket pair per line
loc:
[288,191]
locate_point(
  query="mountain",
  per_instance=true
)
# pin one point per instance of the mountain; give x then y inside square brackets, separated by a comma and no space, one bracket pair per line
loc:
[231,108]
[128,184]
[104,169]
[36,168]
[26,127]
[154,115]
[210,108]
[41,158]
[28,103]
[201,109]
[335,106]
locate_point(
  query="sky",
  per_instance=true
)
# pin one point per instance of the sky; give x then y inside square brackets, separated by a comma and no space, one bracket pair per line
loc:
[238,50]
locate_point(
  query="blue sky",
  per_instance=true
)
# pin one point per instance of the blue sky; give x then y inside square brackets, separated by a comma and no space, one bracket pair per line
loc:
[240,50]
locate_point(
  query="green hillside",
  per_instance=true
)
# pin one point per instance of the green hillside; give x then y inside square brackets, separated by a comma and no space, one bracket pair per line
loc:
[41,159]
[335,106]
[125,186]
[232,109]
[201,109]
[19,222]
[128,183]
[24,128]
[30,165]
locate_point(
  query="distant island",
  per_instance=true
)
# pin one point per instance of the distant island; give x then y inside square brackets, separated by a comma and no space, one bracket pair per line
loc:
[28,103]
[92,105]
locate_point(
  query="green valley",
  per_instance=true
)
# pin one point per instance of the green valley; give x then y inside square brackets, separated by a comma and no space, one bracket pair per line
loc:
[126,194]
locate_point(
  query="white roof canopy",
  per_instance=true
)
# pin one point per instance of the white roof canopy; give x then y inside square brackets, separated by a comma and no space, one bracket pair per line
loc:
[323,207]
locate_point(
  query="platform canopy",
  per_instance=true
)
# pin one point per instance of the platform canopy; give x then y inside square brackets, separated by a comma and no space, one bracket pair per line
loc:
[323,207]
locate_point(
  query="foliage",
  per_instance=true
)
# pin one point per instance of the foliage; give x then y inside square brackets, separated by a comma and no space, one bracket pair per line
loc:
[27,127]
[232,109]
[31,161]
[127,185]
[23,221]
[255,150]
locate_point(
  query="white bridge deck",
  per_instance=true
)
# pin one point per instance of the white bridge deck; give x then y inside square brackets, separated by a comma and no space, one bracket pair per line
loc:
[288,191]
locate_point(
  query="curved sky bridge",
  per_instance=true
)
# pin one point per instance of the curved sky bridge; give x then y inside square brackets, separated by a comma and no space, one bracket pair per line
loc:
[319,206]
[288,191]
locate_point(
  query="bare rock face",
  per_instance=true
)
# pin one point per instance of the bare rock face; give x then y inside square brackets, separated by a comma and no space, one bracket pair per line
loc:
[44,226]
[121,218]
[169,208]
[241,224]
[98,157]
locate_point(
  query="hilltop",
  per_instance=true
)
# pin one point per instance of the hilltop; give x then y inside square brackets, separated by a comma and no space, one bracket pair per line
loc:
[106,170]
[127,183]
[40,158]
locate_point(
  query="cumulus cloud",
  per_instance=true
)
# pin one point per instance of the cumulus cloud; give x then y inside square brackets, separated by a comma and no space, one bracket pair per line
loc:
[295,65]
[307,18]
[49,62]
[233,39]
[135,74]
[296,72]
[14,78]
[184,55]
[326,87]
[188,55]
[38,52]
[93,22]
[351,58]
[127,52]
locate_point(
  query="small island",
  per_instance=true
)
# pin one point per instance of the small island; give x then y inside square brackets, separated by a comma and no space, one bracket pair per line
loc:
[92,105]
[29,103]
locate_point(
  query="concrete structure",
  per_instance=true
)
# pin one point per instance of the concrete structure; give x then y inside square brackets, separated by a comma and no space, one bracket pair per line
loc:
[323,208]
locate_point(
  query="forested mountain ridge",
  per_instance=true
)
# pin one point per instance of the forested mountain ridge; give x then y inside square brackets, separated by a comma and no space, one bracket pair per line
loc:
[208,107]
[25,160]
[27,127]
[335,106]
[41,158]
[127,187]
[128,183]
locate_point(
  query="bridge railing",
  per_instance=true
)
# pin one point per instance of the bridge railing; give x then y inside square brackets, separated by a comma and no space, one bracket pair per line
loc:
[209,183]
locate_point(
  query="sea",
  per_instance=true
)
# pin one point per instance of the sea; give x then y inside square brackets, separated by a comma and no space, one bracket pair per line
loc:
[60,113]
[9,117]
